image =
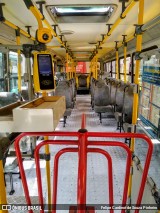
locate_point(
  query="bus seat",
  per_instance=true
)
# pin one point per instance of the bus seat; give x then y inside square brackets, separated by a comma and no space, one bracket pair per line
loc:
[24,94]
[92,90]
[7,98]
[64,90]
[73,87]
[101,98]
[114,86]
[119,103]
[82,81]
[128,109]
[109,82]
[68,84]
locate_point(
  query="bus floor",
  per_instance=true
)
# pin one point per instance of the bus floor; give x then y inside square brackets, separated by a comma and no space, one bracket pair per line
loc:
[97,177]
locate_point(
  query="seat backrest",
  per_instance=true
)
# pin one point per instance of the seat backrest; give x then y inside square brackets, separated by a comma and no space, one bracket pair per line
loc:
[120,96]
[114,86]
[128,104]
[24,94]
[7,98]
[65,91]
[73,86]
[109,82]
[92,86]
[82,81]
[68,84]
[101,94]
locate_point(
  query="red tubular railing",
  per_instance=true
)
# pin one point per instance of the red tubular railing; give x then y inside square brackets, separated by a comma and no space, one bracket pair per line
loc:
[20,161]
[55,176]
[148,155]
[83,141]
[83,123]
[82,173]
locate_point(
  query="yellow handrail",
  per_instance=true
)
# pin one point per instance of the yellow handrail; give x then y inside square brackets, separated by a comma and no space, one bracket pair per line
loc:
[117,64]
[125,65]
[136,81]
[13,26]
[127,10]
[37,15]
[19,64]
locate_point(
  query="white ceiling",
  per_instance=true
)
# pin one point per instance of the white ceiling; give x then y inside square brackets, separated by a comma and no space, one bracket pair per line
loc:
[17,13]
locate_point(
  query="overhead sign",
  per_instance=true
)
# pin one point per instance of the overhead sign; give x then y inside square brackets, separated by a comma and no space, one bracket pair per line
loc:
[81,67]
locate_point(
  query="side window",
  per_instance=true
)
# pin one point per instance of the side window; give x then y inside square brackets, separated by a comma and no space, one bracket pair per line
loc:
[1,73]
[13,60]
[13,67]
[149,111]
[113,69]
[128,69]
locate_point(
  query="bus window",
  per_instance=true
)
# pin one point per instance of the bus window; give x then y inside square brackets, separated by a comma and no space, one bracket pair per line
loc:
[13,67]
[1,74]
[113,69]
[128,69]
[107,69]
[150,95]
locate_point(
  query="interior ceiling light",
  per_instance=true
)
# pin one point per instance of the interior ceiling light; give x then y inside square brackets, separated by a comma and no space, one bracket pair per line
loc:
[67,32]
[100,13]
[98,9]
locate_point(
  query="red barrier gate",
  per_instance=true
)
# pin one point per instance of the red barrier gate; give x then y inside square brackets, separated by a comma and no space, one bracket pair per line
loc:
[83,140]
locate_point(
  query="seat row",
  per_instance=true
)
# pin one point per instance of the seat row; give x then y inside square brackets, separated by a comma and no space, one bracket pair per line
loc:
[67,88]
[117,94]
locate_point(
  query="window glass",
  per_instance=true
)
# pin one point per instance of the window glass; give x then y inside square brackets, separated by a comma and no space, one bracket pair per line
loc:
[1,73]
[114,69]
[128,69]
[13,67]
[149,110]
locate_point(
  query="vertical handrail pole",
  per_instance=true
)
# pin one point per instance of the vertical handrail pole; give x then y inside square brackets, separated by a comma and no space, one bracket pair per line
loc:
[82,171]
[83,122]
[117,64]
[67,69]
[136,81]
[39,180]
[22,172]
[48,170]
[110,173]
[3,198]
[55,175]
[19,61]
[4,142]
[125,65]
[145,173]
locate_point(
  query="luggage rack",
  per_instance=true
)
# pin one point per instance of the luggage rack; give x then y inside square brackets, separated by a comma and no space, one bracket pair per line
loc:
[82,140]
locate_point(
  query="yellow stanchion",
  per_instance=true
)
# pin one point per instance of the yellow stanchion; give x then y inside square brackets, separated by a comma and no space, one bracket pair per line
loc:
[48,170]
[136,81]
[19,61]
[117,65]
[125,65]
[4,142]
[3,199]
[67,61]
[96,71]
